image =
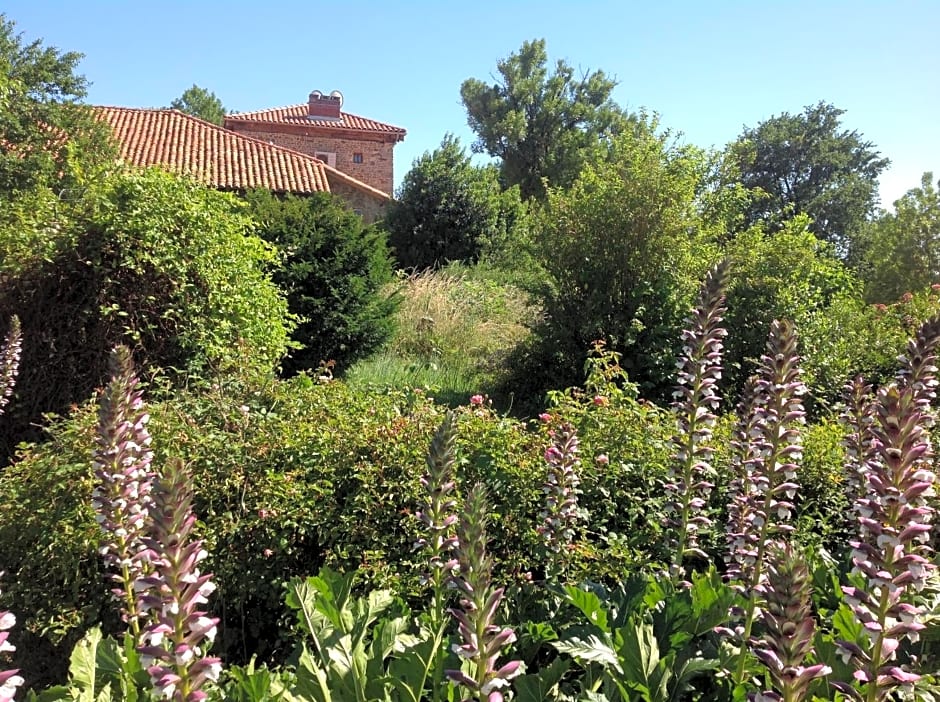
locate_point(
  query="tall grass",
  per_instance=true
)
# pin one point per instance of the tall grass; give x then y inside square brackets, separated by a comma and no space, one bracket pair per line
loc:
[455,330]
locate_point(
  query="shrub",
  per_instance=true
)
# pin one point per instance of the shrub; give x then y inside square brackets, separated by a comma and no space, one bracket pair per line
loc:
[450,210]
[333,269]
[147,259]
[623,249]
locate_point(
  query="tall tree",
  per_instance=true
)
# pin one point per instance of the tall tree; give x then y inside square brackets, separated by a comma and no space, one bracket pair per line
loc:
[448,209]
[46,136]
[901,249]
[808,164]
[200,103]
[540,124]
[624,249]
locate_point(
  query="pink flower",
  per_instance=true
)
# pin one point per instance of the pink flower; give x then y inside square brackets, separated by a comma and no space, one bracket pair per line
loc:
[476,400]
[601,401]
[602,459]
[907,297]
[545,417]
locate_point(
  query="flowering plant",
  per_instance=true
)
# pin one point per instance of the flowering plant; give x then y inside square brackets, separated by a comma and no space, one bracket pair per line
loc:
[175,643]
[480,638]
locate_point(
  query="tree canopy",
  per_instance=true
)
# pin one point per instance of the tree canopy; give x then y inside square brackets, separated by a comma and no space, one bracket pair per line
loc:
[200,103]
[448,209]
[45,134]
[540,124]
[901,249]
[333,269]
[807,164]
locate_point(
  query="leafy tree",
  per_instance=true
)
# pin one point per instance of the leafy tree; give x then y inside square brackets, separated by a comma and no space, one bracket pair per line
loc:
[448,209]
[624,249]
[200,103]
[333,269]
[790,274]
[807,164]
[151,260]
[901,249]
[540,124]
[46,136]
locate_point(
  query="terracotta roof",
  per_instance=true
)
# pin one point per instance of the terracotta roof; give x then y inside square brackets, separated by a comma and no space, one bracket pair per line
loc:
[297,115]
[221,158]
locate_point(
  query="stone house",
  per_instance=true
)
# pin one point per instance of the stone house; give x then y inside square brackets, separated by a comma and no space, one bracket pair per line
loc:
[357,146]
[227,160]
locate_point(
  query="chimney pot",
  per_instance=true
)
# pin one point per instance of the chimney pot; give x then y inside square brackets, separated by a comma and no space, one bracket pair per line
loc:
[320,106]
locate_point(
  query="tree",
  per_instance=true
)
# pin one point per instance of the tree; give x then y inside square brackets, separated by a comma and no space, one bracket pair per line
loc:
[901,249]
[806,164]
[624,249]
[448,209]
[148,259]
[46,135]
[540,124]
[333,269]
[789,274]
[200,103]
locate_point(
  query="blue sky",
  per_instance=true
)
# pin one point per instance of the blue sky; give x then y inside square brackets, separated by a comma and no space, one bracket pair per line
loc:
[708,68]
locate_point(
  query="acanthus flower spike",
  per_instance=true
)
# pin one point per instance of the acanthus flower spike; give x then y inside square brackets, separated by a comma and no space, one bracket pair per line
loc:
[121,498]
[437,513]
[891,556]
[561,514]
[480,638]
[174,645]
[10,361]
[696,396]
[789,626]
[770,454]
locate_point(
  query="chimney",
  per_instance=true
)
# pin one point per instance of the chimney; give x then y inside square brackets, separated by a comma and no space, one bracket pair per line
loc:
[320,106]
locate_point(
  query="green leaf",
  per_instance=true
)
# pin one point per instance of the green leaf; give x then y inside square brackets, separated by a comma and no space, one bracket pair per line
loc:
[589,604]
[83,665]
[311,679]
[537,687]
[409,671]
[591,649]
[639,655]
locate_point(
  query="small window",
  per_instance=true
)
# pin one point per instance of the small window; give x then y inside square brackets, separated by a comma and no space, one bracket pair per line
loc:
[357,158]
[329,158]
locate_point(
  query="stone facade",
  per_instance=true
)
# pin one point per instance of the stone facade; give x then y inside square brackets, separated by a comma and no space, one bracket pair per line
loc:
[376,168]
[363,203]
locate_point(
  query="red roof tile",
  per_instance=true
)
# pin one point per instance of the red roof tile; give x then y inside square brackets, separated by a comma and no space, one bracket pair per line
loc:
[297,115]
[218,157]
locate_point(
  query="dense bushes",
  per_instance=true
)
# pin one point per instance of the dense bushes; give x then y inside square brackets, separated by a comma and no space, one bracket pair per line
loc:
[151,260]
[332,269]
[294,475]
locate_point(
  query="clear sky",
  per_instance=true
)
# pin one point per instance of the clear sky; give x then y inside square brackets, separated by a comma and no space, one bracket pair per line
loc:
[708,68]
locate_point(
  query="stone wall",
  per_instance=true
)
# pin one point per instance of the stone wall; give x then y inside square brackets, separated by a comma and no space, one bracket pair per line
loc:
[376,168]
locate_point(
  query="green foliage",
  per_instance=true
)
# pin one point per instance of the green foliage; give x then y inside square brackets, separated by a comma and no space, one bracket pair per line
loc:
[900,250]
[149,260]
[646,640]
[454,331]
[333,269]
[807,164]
[447,209]
[541,124]
[850,337]
[48,137]
[624,249]
[786,275]
[200,103]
